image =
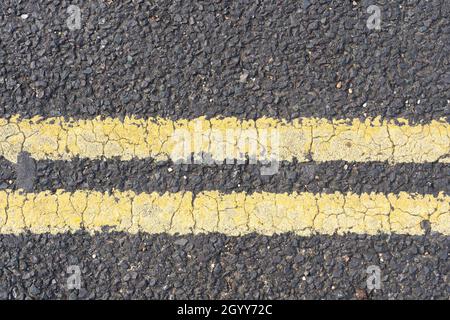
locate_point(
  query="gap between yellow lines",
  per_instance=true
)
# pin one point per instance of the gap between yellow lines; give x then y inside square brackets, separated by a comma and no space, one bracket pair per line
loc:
[305,139]
[231,214]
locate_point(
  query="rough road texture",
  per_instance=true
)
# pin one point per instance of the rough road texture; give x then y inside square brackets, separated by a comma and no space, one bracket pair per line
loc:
[148,176]
[327,177]
[184,59]
[247,59]
[116,266]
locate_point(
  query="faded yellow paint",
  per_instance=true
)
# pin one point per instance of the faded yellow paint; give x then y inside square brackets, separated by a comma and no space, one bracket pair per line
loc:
[232,214]
[304,139]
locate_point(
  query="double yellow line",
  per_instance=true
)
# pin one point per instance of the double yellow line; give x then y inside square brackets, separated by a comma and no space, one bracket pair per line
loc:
[306,139]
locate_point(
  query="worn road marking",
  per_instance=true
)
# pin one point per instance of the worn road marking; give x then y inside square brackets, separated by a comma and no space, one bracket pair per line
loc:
[232,214]
[307,139]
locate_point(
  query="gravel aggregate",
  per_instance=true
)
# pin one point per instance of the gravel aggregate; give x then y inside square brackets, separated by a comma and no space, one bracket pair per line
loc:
[185,59]
[214,266]
[247,59]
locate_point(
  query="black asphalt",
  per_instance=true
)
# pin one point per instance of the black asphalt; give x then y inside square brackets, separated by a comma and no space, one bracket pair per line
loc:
[246,58]
[148,176]
[117,266]
[184,59]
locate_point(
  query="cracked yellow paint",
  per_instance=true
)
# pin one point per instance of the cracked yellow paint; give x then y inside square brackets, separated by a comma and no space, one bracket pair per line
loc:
[232,214]
[304,139]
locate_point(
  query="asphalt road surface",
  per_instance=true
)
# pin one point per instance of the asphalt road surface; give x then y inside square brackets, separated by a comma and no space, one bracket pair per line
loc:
[94,95]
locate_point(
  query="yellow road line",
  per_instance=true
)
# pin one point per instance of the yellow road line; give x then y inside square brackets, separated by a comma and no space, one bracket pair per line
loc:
[232,214]
[305,139]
